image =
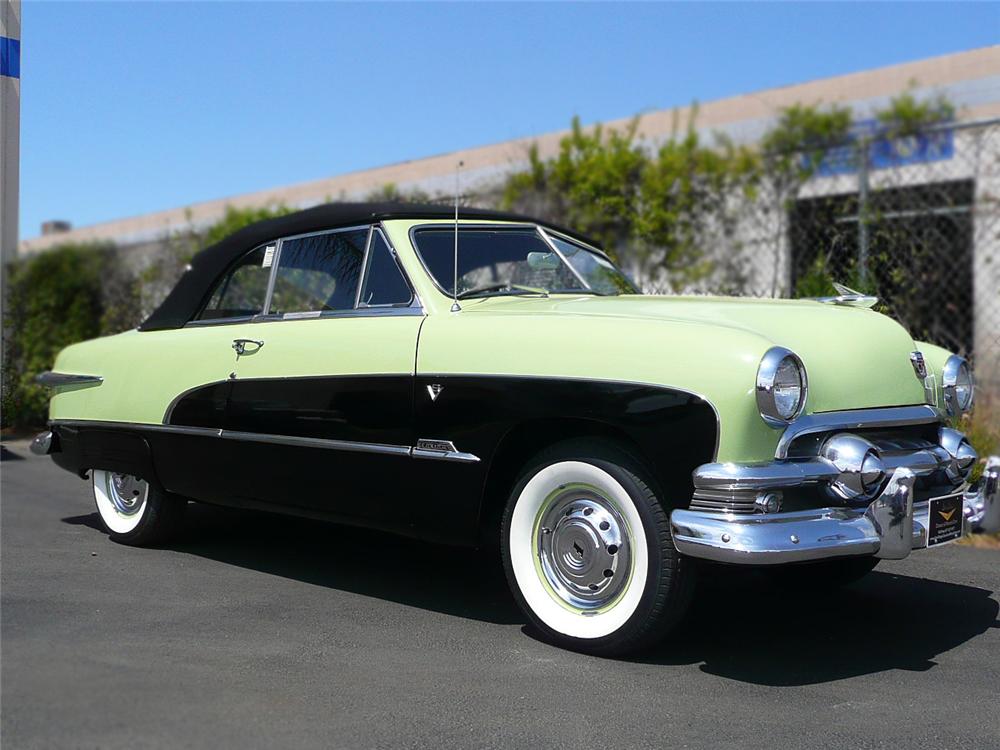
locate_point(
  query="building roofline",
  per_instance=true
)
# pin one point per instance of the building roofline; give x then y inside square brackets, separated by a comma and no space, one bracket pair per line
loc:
[743,116]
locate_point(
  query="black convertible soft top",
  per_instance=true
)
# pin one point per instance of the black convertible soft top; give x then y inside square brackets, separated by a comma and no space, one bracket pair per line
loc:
[194,286]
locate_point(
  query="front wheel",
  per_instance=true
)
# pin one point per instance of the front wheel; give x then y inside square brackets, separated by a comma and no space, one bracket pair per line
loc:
[133,512]
[588,554]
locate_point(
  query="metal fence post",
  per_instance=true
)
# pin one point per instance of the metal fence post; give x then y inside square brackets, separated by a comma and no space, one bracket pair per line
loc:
[863,147]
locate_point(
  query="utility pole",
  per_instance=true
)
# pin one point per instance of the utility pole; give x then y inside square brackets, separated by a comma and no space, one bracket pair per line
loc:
[10,132]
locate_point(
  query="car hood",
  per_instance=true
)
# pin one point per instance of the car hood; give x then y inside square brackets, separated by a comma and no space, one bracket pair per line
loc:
[854,357]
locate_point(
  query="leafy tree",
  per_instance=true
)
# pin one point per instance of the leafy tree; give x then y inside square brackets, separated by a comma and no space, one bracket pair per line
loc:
[54,299]
[905,116]
[653,209]
[593,184]
[235,219]
[390,193]
[791,153]
[160,276]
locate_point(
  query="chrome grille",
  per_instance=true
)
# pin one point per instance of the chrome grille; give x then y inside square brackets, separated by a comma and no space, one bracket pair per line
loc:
[723,501]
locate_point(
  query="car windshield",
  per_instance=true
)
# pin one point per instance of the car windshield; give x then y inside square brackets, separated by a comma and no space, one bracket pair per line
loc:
[516,260]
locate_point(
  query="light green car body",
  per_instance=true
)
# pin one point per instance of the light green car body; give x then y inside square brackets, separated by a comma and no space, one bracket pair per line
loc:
[708,346]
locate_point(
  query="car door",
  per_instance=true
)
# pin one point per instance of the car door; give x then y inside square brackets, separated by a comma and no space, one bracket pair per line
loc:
[321,402]
[195,365]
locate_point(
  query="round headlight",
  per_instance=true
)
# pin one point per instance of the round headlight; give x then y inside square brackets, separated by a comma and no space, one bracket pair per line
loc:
[781,387]
[958,386]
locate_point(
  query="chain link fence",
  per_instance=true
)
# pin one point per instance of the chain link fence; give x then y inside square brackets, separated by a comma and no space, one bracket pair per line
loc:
[914,219]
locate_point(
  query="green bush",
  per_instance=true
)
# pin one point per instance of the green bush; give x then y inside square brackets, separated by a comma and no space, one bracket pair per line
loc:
[75,292]
[55,298]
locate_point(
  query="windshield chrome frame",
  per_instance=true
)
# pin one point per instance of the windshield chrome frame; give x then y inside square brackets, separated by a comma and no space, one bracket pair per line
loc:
[539,230]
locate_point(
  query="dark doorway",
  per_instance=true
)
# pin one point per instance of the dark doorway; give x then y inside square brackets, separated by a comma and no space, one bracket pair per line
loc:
[919,253]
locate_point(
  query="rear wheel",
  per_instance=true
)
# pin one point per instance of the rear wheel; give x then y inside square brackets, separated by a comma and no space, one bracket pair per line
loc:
[132,511]
[587,551]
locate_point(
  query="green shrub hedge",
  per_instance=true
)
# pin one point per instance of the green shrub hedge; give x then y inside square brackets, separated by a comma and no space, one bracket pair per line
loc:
[56,298]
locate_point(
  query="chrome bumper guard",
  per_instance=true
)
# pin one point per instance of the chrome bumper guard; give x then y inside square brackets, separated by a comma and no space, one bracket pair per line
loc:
[890,527]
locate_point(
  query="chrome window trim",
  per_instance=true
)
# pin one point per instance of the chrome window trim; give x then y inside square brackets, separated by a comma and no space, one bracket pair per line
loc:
[504,226]
[892,416]
[413,307]
[333,230]
[229,268]
[351,446]
[51,379]
[549,234]
[414,300]
[555,248]
[586,245]
[276,266]
[221,321]
[364,267]
[361,312]
[451,225]
[269,294]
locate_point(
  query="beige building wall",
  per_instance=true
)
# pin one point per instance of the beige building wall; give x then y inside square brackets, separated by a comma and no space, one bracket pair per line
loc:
[971,79]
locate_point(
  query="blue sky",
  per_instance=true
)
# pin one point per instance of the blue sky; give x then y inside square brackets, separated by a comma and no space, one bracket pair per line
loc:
[134,107]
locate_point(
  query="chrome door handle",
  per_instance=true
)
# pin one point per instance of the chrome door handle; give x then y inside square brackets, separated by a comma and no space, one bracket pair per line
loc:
[240,345]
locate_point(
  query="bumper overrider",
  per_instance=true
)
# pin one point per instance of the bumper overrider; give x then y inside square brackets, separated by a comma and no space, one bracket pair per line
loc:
[889,525]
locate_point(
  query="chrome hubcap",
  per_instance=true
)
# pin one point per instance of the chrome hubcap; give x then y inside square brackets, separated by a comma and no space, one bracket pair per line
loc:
[583,548]
[126,492]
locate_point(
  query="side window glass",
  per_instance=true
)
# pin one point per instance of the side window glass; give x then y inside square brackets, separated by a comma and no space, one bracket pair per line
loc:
[384,282]
[241,291]
[319,273]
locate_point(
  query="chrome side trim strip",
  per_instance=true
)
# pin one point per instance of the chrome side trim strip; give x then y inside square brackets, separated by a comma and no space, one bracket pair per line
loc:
[98,424]
[307,442]
[61,379]
[295,440]
[894,416]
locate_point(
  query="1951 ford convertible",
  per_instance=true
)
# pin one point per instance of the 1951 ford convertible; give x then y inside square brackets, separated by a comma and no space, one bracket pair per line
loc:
[492,379]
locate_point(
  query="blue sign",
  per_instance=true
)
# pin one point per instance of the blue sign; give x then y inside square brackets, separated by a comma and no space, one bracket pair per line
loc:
[883,153]
[10,57]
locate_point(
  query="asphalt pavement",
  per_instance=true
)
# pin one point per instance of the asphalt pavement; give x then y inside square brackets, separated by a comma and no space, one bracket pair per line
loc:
[260,631]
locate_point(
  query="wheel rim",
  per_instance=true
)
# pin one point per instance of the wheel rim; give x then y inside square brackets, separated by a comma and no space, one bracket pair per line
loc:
[584,548]
[126,493]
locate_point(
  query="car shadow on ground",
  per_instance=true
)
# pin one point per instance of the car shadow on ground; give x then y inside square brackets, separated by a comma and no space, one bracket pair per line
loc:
[745,627]
[740,626]
[453,581]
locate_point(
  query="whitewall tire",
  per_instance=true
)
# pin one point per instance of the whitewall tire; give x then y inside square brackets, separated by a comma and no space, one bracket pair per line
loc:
[587,550]
[132,511]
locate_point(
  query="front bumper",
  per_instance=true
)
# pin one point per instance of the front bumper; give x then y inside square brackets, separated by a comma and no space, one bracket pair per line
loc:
[890,527]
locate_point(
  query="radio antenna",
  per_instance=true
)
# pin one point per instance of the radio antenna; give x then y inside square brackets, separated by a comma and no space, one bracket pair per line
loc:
[455,307]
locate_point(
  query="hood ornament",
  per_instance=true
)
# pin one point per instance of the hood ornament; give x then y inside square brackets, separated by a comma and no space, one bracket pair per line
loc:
[849,297]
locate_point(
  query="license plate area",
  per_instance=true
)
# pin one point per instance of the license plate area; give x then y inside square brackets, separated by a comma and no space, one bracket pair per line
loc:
[944,519]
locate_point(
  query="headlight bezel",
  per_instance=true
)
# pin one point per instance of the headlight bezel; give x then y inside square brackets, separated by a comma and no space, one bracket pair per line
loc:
[767,373]
[951,373]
